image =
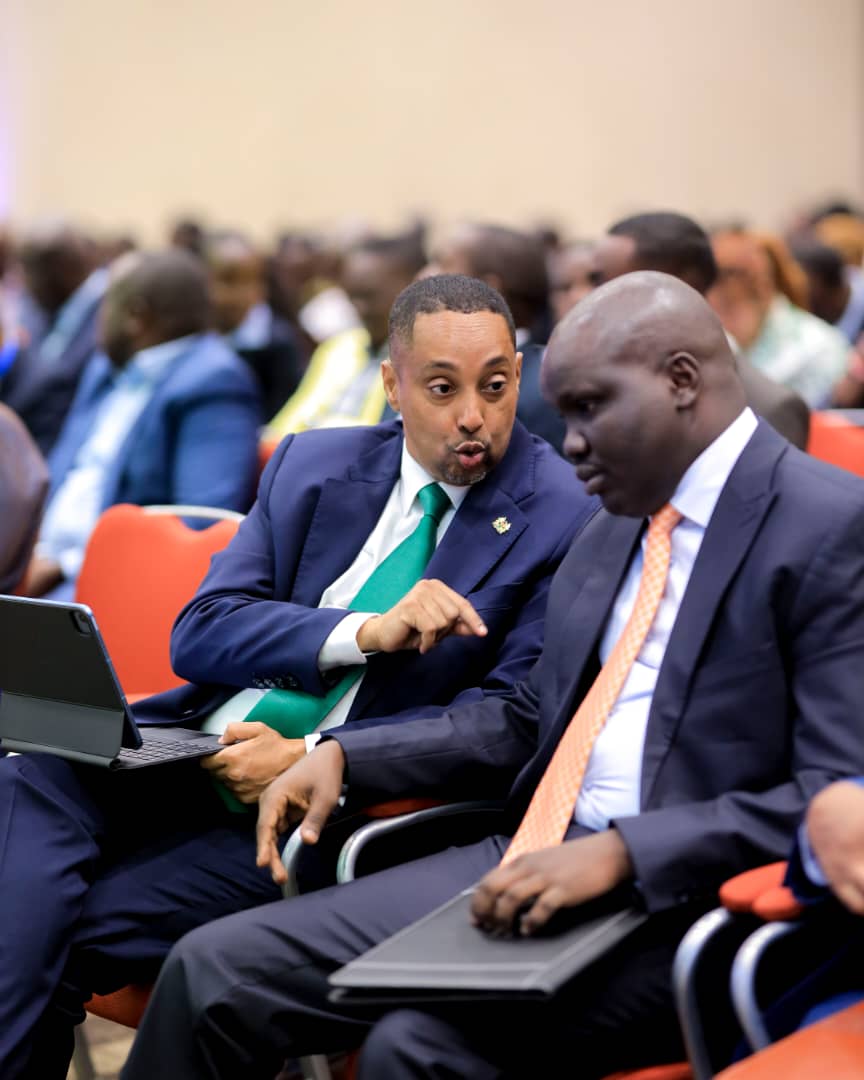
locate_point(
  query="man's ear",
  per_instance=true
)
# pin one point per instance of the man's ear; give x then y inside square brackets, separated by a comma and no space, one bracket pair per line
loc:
[391,384]
[685,378]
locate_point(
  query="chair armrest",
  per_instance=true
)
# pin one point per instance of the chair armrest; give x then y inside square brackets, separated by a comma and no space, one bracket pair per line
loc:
[384,823]
[742,981]
[761,892]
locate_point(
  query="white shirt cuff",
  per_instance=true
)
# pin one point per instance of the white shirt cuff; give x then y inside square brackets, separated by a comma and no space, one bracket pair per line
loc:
[312,741]
[341,649]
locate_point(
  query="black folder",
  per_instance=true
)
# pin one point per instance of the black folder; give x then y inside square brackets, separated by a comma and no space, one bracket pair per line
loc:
[444,957]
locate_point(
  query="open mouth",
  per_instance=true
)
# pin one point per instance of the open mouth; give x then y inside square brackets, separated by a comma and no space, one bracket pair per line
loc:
[471,454]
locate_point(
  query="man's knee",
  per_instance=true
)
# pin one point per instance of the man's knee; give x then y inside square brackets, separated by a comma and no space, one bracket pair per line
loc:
[412,1043]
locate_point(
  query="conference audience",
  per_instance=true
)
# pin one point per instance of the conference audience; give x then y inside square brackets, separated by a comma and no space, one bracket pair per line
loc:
[64,286]
[166,413]
[342,385]
[246,321]
[676,245]
[720,589]
[385,572]
[774,332]
[570,271]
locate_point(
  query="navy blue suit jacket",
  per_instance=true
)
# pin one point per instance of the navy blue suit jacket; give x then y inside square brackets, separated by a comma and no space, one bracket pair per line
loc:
[41,392]
[757,703]
[534,410]
[196,440]
[255,621]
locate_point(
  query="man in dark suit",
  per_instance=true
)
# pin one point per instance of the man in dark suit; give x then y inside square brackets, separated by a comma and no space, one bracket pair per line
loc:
[103,872]
[249,325]
[61,275]
[166,414]
[742,700]
[676,245]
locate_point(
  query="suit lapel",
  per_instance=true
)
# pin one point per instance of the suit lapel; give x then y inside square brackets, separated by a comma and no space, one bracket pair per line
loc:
[737,517]
[351,504]
[615,540]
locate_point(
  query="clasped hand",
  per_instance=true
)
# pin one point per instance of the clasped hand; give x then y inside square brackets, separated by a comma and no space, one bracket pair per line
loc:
[522,896]
[253,755]
[427,613]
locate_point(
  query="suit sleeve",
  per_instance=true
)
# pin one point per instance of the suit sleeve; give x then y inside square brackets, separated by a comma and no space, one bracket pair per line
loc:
[686,851]
[234,632]
[216,448]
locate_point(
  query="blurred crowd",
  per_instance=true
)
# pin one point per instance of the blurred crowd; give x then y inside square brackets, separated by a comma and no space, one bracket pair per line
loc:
[163,376]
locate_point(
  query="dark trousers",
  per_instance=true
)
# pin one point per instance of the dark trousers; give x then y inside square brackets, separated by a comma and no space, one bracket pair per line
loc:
[239,995]
[100,873]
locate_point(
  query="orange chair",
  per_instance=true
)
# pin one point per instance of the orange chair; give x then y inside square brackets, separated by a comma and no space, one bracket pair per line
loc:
[835,439]
[833,1048]
[141,566]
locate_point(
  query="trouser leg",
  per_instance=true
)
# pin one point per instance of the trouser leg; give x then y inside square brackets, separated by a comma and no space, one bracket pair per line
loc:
[618,1014]
[237,996]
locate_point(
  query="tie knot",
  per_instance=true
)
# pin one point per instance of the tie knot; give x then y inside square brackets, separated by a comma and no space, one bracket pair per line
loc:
[665,520]
[435,501]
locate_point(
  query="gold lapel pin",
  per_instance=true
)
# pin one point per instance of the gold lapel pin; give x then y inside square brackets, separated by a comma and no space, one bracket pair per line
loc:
[501,525]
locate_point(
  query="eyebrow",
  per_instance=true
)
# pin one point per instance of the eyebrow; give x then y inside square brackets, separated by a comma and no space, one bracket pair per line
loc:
[449,365]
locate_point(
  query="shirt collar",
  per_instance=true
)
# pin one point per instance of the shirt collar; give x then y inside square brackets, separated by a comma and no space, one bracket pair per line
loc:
[151,364]
[413,476]
[254,330]
[699,488]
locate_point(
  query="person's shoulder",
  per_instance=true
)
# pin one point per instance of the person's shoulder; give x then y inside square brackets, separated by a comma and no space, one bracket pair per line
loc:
[824,493]
[208,365]
[346,446]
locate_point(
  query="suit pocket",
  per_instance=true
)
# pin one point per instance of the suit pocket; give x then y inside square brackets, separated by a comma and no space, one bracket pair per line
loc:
[496,598]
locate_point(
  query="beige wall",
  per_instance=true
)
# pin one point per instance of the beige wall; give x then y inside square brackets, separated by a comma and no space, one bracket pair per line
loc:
[267,112]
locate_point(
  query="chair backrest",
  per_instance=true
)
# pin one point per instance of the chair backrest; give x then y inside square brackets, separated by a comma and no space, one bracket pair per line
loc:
[142,564]
[837,440]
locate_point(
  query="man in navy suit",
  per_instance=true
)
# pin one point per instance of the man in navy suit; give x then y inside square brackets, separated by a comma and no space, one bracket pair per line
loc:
[166,414]
[742,701]
[65,287]
[100,872]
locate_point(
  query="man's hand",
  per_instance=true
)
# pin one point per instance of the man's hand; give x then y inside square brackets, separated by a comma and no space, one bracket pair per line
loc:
[254,755]
[526,893]
[835,827]
[427,613]
[309,790]
[42,575]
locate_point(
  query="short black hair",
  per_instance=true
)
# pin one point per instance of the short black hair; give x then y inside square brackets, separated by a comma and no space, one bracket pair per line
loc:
[822,262]
[445,292]
[174,287]
[673,244]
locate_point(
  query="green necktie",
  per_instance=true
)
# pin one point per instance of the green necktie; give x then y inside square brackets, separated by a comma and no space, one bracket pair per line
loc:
[294,713]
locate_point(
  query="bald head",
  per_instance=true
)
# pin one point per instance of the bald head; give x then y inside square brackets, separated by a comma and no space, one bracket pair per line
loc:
[153,297]
[643,374]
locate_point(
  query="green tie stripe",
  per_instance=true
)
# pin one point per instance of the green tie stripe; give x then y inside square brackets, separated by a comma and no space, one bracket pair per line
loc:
[294,713]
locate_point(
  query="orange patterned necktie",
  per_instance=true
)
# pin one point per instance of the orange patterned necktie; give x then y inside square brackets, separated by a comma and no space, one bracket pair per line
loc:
[554,800]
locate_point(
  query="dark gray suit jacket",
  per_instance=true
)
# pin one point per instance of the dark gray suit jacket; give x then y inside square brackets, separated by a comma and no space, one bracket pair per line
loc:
[758,700]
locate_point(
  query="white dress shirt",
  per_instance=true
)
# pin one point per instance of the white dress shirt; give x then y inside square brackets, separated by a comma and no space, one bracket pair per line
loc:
[77,503]
[402,513]
[612,784]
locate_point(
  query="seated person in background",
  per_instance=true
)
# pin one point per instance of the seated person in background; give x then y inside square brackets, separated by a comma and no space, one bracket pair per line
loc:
[571,278]
[514,263]
[61,275]
[837,296]
[676,245]
[342,384]
[744,597]
[247,323]
[101,873]
[167,414]
[774,333]
[23,486]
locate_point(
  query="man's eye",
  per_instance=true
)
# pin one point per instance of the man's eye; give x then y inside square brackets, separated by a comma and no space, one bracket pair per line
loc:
[440,389]
[495,386]
[585,408]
